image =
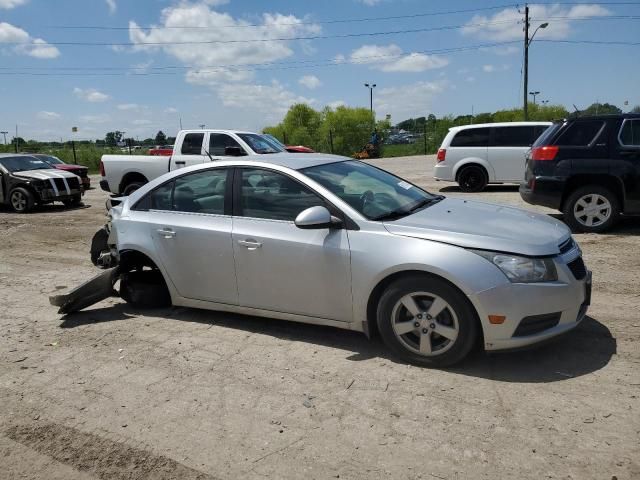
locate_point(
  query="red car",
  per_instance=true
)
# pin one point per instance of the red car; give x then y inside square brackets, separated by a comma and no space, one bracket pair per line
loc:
[161,151]
[288,148]
[79,170]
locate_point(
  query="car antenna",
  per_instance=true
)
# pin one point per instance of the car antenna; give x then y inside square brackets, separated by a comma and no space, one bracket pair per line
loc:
[208,154]
[578,112]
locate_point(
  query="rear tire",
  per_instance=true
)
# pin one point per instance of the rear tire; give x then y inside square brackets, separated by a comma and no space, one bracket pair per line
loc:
[74,201]
[21,200]
[145,289]
[591,209]
[439,326]
[472,178]
[131,187]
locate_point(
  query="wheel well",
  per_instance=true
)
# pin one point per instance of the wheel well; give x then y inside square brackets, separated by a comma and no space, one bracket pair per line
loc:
[467,165]
[134,260]
[130,178]
[607,181]
[27,187]
[376,293]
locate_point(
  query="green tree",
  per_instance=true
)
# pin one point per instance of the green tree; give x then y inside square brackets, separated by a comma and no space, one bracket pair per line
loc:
[350,128]
[113,138]
[161,138]
[635,109]
[601,109]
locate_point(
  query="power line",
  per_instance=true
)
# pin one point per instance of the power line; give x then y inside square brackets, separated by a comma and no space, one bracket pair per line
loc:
[249,25]
[262,40]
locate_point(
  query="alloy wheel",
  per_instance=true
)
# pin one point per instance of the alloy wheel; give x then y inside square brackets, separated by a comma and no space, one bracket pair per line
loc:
[425,323]
[592,210]
[18,201]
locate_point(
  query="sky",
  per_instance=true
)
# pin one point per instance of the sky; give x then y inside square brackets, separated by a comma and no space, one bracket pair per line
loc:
[141,66]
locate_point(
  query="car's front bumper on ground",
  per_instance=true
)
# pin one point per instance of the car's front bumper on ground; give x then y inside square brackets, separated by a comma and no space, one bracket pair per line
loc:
[533,312]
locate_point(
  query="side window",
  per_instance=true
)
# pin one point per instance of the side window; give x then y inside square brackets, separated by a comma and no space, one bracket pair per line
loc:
[219,141]
[513,136]
[157,199]
[471,137]
[580,133]
[271,195]
[192,144]
[630,133]
[201,192]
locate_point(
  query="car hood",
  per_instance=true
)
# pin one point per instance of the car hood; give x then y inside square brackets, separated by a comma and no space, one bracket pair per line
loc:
[484,226]
[44,174]
[68,166]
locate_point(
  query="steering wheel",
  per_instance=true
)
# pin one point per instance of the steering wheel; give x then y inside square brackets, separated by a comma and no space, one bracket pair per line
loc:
[366,197]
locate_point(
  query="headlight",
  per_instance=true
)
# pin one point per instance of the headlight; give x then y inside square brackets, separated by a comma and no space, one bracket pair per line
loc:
[522,269]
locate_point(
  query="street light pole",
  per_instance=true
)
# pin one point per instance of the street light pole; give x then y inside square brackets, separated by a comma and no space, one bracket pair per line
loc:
[5,137]
[371,87]
[527,43]
[534,94]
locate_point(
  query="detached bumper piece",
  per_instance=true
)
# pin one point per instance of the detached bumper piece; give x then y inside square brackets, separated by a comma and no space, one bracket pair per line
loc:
[93,291]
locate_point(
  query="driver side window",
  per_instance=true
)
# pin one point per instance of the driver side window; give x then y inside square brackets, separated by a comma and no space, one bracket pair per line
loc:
[271,195]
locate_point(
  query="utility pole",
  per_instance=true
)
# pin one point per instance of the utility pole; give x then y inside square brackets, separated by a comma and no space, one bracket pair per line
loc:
[526,62]
[17,141]
[371,87]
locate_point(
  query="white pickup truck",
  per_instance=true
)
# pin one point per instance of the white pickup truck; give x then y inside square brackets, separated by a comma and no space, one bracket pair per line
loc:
[123,174]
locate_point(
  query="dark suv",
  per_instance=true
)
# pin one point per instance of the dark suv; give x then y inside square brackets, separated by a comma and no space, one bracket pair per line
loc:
[588,168]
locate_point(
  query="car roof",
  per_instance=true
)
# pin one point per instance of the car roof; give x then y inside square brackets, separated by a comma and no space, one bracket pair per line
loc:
[604,116]
[497,124]
[7,155]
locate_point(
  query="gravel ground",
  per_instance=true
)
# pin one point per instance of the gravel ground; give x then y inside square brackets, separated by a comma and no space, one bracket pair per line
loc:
[115,393]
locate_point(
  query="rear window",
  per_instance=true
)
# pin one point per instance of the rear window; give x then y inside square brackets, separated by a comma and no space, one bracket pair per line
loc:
[522,136]
[580,133]
[192,144]
[630,133]
[547,135]
[471,137]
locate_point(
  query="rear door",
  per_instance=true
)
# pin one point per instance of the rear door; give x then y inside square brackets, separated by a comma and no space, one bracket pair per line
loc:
[625,161]
[507,152]
[470,143]
[586,142]
[191,151]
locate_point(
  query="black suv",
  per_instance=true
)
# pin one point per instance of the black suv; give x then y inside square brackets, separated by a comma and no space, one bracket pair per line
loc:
[588,168]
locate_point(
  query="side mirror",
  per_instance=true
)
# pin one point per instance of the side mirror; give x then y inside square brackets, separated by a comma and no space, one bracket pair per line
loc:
[316,218]
[234,152]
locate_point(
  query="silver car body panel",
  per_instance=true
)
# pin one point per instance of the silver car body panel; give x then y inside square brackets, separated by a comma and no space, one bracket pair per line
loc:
[326,276]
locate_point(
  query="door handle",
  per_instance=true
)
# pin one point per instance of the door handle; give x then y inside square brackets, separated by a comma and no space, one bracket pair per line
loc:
[601,144]
[180,162]
[250,244]
[166,233]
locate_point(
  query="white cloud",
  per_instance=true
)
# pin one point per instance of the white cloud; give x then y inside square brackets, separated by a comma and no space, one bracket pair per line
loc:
[336,103]
[33,47]
[407,101]
[370,3]
[218,27]
[171,110]
[271,101]
[8,4]
[129,107]
[44,115]
[488,68]
[95,119]
[310,81]
[339,58]
[470,79]
[507,24]
[90,95]
[390,58]
[112,6]
[494,68]
[141,121]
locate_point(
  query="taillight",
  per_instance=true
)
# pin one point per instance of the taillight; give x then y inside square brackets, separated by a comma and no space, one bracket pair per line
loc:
[442,154]
[102,169]
[548,152]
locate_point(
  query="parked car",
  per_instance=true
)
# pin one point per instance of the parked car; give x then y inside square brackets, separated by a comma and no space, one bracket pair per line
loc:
[79,170]
[289,148]
[26,181]
[124,174]
[332,241]
[588,168]
[161,150]
[476,155]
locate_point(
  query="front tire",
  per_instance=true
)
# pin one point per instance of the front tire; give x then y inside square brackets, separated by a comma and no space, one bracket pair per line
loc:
[591,209]
[73,201]
[145,289]
[130,188]
[472,179]
[426,321]
[21,200]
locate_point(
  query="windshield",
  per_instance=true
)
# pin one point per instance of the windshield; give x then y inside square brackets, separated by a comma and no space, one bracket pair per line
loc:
[376,194]
[274,140]
[259,144]
[22,164]
[51,160]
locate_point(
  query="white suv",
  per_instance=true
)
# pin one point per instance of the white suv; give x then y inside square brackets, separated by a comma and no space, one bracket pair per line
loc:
[475,155]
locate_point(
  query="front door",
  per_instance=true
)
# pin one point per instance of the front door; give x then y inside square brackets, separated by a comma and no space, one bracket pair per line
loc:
[280,267]
[190,223]
[191,151]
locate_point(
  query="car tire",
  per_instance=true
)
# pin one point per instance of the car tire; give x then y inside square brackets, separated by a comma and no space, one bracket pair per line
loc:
[145,289]
[472,178]
[21,200]
[583,215]
[413,336]
[131,187]
[73,201]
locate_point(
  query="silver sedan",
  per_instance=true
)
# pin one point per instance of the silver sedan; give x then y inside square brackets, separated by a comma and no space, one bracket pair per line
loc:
[327,240]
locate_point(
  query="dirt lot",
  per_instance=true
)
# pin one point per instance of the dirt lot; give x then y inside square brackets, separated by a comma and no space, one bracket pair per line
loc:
[118,393]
